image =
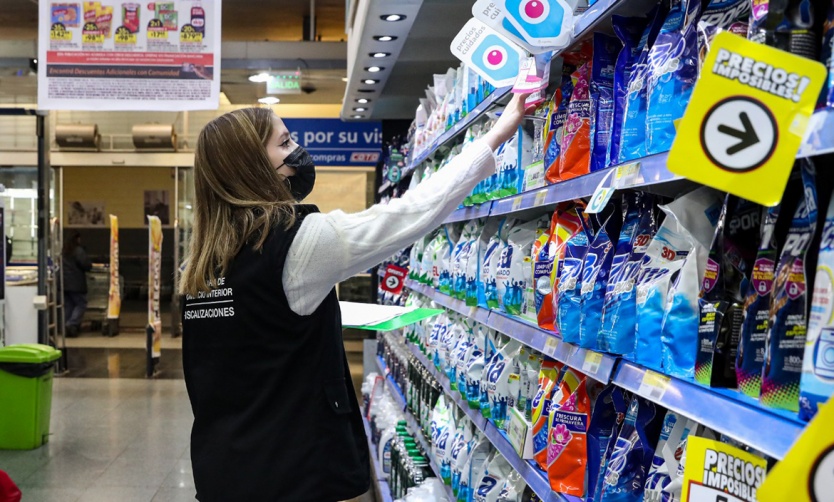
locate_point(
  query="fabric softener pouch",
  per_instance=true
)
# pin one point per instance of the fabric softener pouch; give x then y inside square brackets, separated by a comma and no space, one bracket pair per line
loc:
[673,70]
[631,459]
[619,317]
[576,139]
[606,49]
[817,383]
[570,282]
[789,305]
[567,449]
[629,31]
[595,273]
[548,379]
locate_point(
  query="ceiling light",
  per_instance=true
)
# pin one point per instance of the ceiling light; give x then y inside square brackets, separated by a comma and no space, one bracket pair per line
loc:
[385,38]
[370,81]
[379,54]
[260,77]
[392,17]
[362,101]
[358,116]
[360,109]
[344,79]
[269,100]
[374,69]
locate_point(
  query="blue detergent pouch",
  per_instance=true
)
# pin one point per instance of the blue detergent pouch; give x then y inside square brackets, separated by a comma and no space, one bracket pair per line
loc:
[629,30]
[607,439]
[619,316]
[729,15]
[633,130]
[601,428]
[673,70]
[570,282]
[827,95]
[596,270]
[659,476]
[632,456]
[606,49]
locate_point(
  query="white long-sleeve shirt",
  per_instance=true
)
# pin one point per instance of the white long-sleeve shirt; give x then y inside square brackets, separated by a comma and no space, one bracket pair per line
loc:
[331,247]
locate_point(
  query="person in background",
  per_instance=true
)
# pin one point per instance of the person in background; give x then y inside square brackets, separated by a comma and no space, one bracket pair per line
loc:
[76,265]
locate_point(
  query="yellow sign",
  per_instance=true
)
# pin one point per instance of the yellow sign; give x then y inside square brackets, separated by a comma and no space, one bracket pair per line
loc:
[806,474]
[718,472]
[124,36]
[745,121]
[189,34]
[59,32]
[114,297]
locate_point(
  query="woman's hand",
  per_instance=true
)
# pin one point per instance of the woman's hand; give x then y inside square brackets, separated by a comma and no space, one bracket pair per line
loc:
[507,123]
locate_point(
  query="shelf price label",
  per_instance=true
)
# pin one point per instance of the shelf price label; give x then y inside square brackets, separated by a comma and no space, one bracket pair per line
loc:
[550,346]
[592,362]
[517,203]
[746,119]
[654,385]
[718,472]
[540,198]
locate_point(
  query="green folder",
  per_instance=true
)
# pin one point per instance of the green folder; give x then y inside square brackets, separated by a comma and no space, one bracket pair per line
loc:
[400,321]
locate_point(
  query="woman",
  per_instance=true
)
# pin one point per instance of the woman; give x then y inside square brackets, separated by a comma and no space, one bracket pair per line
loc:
[76,265]
[275,417]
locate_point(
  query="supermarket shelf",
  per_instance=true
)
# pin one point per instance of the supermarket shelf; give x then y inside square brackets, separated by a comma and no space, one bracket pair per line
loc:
[470,213]
[535,478]
[384,489]
[726,411]
[459,306]
[818,138]
[396,392]
[586,21]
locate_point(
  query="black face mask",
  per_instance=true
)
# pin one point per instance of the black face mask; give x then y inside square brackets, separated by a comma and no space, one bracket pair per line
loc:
[301,183]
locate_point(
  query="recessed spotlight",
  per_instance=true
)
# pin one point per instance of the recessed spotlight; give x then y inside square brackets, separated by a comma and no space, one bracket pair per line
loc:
[362,101]
[360,109]
[260,77]
[374,69]
[35,60]
[392,17]
[269,100]
[370,81]
[379,54]
[344,79]
[358,116]
[385,38]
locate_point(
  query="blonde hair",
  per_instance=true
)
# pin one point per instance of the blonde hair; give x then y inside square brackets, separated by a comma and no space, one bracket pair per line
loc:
[239,195]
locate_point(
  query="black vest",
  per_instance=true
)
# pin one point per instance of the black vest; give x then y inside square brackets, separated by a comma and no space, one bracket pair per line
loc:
[275,414]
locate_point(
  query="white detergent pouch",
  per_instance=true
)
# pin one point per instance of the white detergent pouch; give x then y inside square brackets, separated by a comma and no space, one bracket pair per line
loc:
[440,418]
[428,261]
[473,470]
[503,384]
[485,403]
[444,456]
[442,277]
[448,342]
[515,269]
[658,476]
[474,281]
[493,479]
[438,332]
[460,336]
[468,242]
[458,360]
[465,356]
[679,332]
[460,451]
[474,370]
[458,252]
[513,489]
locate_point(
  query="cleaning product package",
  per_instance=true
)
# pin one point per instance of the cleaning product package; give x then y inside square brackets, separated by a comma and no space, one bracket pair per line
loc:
[531,362]
[478,249]
[544,254]
[567,449]
[576,140]
[468,241]
[570,282]
[629,30]
[548,379]
[444,446]
[473,350]
[492,259]
[515,270]
[513,488]
[427,261]
[461,449]
[440,273]
[619,316]
[473,468]
[789,304]
[553,147]
[673,70]
[724,284]
[789,26]
[567,224]
[441,418]
[493,356]
[462,333]
[474,370]
[595,273]
[607,417]
[489,487]
[459,358]
[504,382]
[817,382]
[658,477]
[631,459]
[606,50]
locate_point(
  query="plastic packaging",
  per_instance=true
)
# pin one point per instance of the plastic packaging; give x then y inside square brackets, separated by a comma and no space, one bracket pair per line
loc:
[595,273]
[472,472]
[567,449]
[504,382]
[570,282]
[548,378]
[629,31]
[490,484]
[515,269]
[576,140]
[553,147]
[513,488]
[607,418]
[606,50]
[658,476]
[567,224]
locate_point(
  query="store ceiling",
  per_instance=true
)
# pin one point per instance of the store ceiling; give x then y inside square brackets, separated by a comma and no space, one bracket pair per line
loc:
[424,51]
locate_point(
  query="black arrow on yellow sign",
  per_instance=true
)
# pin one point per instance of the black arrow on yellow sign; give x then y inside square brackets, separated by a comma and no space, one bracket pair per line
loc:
[747,137]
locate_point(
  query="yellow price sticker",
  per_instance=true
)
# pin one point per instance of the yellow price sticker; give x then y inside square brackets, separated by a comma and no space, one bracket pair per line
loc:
[593,360]
[191,36]
[158,35]
[540,198]
[654,385]
[517,203]
[124,36]
[92,38]
[626,174]
[59,32]
[550,346]
[746,119]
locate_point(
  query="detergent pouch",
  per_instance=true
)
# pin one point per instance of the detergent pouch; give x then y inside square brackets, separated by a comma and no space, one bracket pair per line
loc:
[490,362]
[570,282]
[673,70]
[548,379]
[513,489]
[444,449]
[460,341]
[427,261]
[492,259]
[514,269]
[438,330]
[473,468]
[443,260]
[567,449]
[460,358]
[817,382]
[478,248]
[629,31]
[679,328]
[595,272]
[633,129]
[632,456]
[576,141]
[567,224]
[474,371]
[463,248]
[448,341]
[493,479]
[606,49]
[543,252]
[827,95]
[789,26]
[721,298]
[658,476]
[460,453]
[504,377]
[619,316]
[507,171]
[529,383]
[561,100]
[608,415]
[441,417]
[789,305]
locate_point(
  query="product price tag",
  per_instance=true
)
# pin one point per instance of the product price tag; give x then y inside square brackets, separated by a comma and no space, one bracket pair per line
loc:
[593,360]
[601,195]
[626,174]
[654,385]
[718,472]
[746,119]
[550,346]
[540,198]
[517,203]
[806,474]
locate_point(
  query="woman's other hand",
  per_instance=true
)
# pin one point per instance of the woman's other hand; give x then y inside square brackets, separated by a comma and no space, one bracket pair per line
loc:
[507,124]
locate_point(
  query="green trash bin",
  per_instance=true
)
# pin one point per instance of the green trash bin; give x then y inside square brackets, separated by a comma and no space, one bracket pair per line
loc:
[25,395]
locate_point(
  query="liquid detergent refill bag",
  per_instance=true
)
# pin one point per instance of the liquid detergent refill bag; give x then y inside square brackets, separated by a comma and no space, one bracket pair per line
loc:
[566,225]
[472,471]
[440,421]
[548,379]
[619,316]
[817,382]
[443,260]
[789,304]
[492,258]
[474,370]
[503,381]
[485,404]
[673,70]
[596,270]
[629,30]
[489,487]
[513,488]
[514,270]
[444,448]
[606,50]
[570,282]
[567,449]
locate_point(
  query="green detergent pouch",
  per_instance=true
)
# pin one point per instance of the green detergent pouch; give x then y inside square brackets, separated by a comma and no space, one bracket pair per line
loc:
[817,383]
[721,298]
[478,248]
[473,468]
[502,380]
[789,305]
[596,270]
[629,30]
[606,49]
[570,282]
[674,64]
[514,268]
